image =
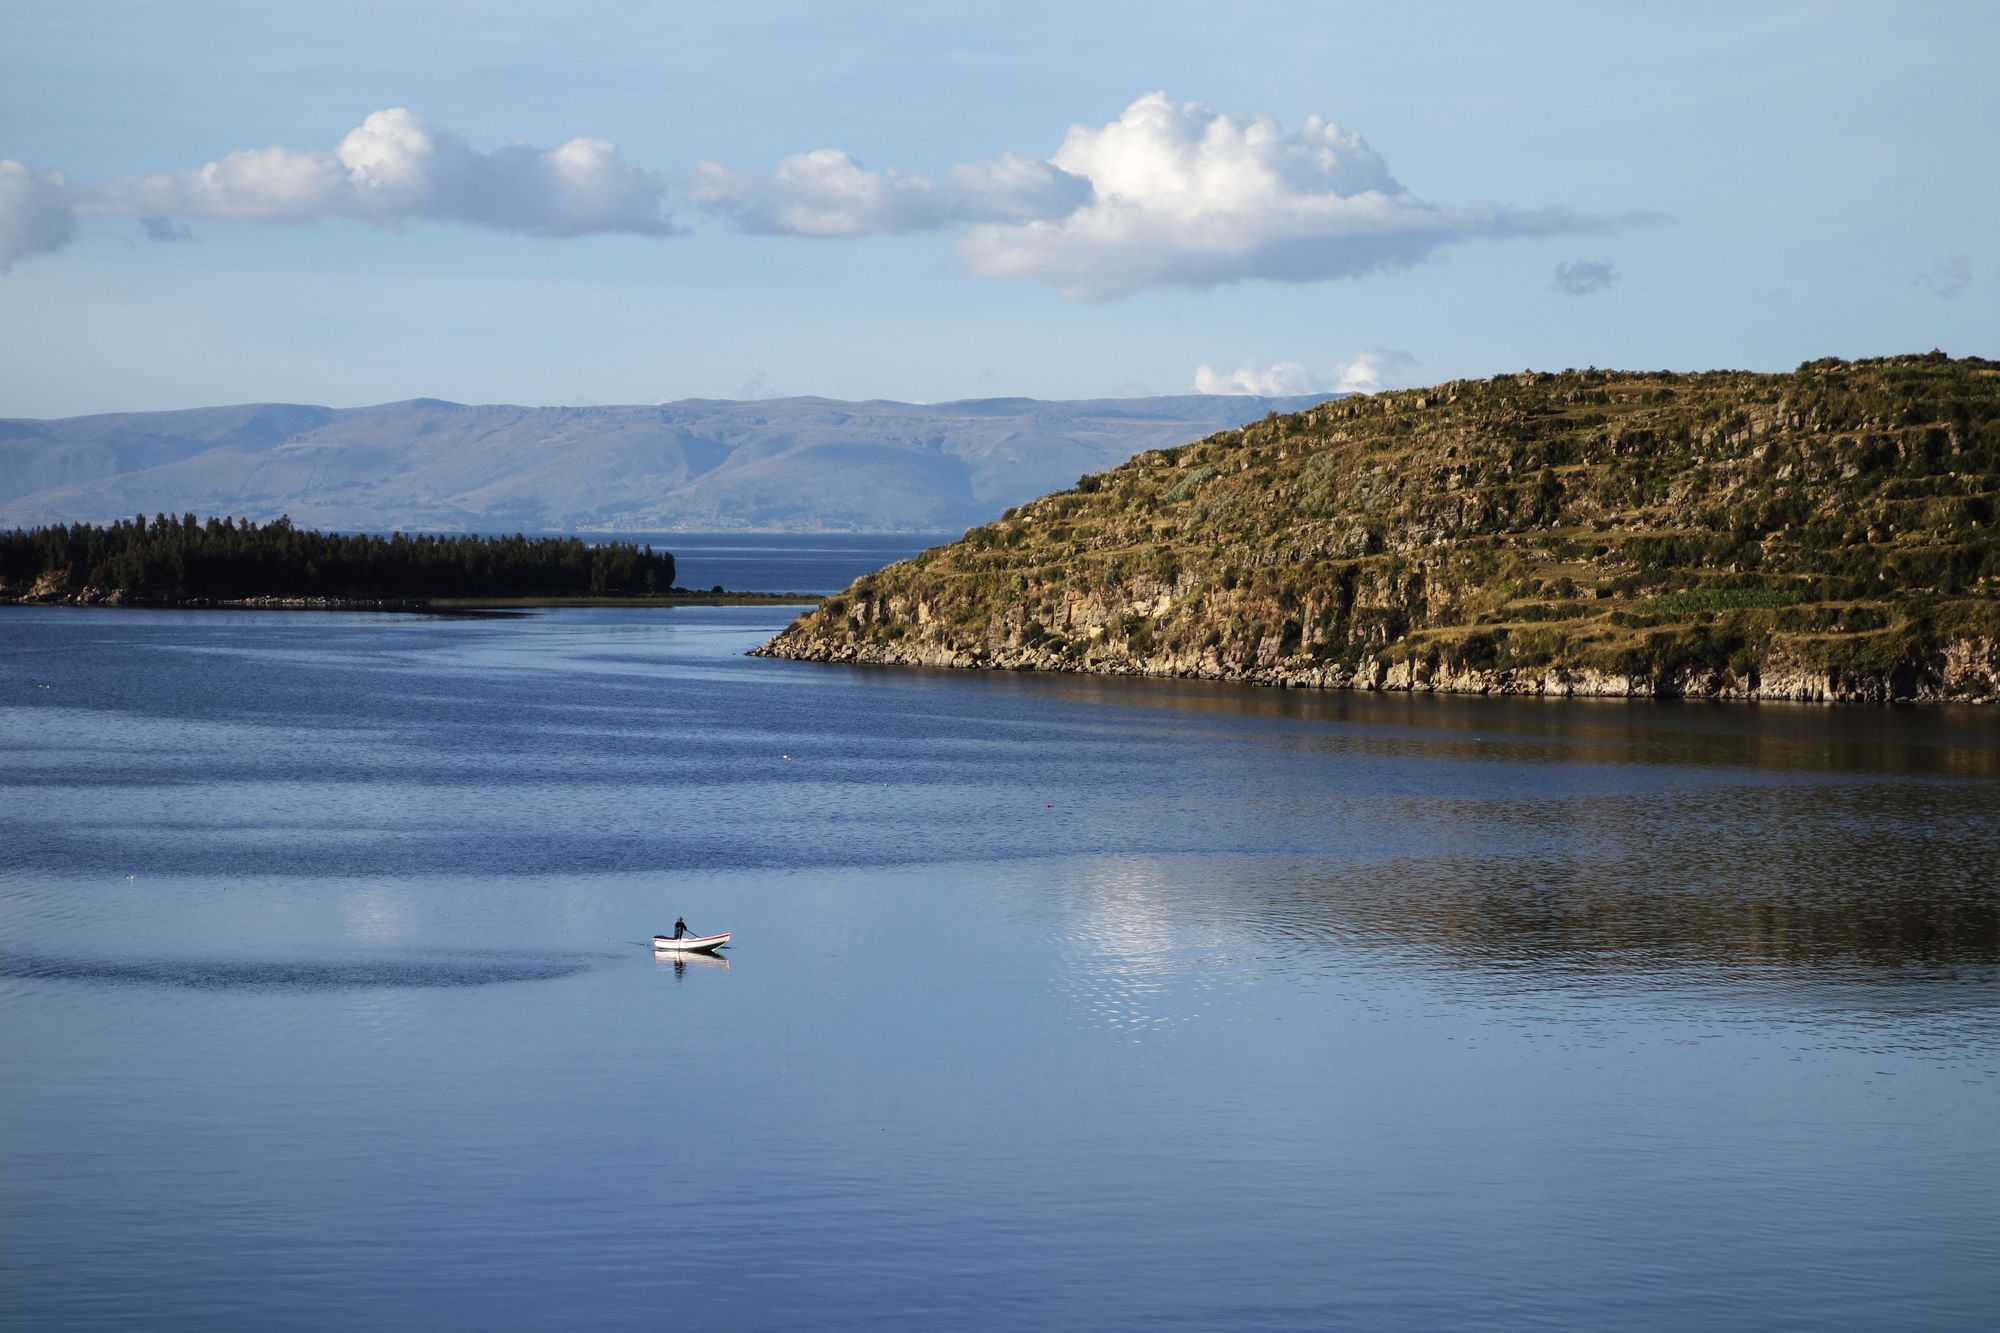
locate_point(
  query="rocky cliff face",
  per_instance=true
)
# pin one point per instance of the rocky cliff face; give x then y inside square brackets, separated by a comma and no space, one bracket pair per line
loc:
[1824,535]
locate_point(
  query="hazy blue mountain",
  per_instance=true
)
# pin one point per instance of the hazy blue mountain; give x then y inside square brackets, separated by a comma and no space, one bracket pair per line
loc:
[799,464]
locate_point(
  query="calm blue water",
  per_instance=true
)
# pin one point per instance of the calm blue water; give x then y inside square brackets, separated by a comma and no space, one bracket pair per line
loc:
[782,561]
[1055,1003]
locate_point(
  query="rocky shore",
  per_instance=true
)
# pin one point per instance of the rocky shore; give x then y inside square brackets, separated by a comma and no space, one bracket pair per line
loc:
[1964,671]
[92,596]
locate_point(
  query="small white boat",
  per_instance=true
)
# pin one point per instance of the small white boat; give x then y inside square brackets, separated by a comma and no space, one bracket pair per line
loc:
[689,943]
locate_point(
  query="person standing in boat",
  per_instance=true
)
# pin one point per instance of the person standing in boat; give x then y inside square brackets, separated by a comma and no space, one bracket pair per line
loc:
[680,928]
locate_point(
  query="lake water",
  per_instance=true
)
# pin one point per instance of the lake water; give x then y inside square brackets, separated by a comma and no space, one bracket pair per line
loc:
[781,561]
[325,997]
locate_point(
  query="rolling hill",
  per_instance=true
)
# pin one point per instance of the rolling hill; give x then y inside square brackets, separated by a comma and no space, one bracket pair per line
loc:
[1823,534]
[788,464]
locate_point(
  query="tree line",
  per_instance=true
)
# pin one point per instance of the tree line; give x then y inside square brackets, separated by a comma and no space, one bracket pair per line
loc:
[183,558]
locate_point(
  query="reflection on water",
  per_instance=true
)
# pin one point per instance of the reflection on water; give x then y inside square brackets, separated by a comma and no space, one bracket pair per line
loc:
[1570,914]
[1139,956]
[1954,741]
[1073,1002]
[1846,876]
[680,962]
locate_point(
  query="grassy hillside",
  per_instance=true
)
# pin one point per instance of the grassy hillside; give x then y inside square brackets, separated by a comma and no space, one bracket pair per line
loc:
[1823,534]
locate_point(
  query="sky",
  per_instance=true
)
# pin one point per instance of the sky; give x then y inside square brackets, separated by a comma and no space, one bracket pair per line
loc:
[586,203]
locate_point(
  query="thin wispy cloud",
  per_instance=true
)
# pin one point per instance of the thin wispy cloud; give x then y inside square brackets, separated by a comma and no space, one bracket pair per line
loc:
[826,193]
[36,216]
[821,193]
[1584,277]
[757,387]
[1016,188]
[164,229]
[1946,278]
[1375,369]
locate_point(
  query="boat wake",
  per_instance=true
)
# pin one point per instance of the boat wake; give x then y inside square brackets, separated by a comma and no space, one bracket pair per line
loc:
[293,975]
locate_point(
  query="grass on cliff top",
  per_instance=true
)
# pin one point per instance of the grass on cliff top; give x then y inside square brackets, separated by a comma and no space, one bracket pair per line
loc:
[1843,514]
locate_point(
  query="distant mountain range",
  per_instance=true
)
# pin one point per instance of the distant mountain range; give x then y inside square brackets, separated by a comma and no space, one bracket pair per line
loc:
[783,464]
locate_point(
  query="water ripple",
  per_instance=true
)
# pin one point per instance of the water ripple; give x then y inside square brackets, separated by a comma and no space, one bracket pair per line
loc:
[290,975]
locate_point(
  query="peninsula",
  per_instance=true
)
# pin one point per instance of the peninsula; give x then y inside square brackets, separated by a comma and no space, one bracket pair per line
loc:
[184,561]
[1826,534]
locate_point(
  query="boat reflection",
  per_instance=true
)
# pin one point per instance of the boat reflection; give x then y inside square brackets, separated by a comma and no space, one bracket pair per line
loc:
[680,962]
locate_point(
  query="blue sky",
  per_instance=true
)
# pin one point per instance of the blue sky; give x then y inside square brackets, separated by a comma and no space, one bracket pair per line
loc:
[928,203]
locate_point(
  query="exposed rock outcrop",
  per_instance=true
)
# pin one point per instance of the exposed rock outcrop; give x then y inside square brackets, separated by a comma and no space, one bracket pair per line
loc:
[1822,536]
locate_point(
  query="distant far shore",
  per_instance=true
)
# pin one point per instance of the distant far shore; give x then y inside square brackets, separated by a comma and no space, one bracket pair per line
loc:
[224,562]
[119,597]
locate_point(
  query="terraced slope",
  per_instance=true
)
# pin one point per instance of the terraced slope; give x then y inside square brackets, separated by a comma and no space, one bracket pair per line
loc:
[1826,534]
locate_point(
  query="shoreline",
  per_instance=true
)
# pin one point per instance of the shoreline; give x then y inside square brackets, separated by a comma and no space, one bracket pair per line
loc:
[680,597]
[1775,684]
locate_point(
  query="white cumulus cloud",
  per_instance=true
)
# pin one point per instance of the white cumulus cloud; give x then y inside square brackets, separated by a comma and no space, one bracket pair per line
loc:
[397,167]
[1015,188]
[1281,378]
[37,212]
[1170,194]
[821,193]
[1375,369]
[828,193]
[1184,196]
